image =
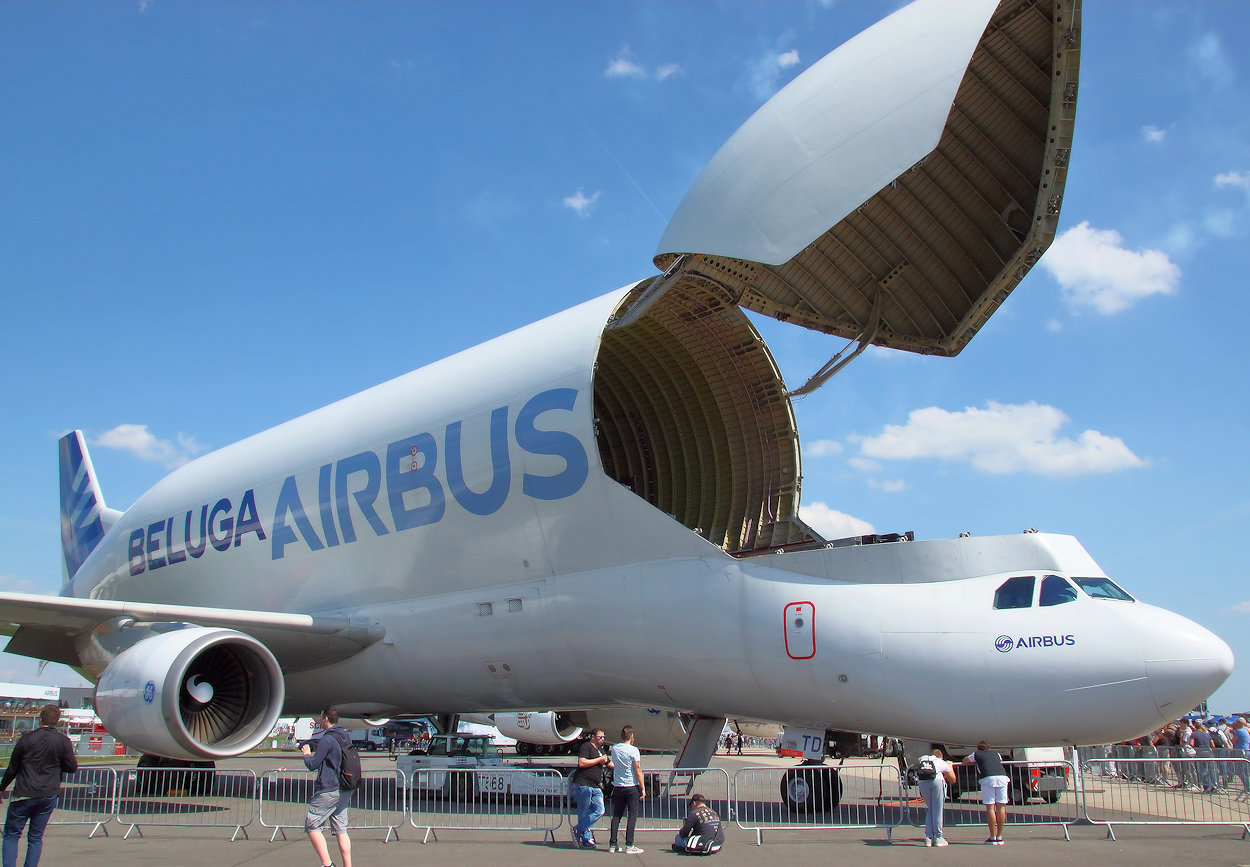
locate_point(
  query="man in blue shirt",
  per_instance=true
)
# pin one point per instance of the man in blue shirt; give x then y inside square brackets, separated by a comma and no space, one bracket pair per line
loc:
[627,790]
[327,803]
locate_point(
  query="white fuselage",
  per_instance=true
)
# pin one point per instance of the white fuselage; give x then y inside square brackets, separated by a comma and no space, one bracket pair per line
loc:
[464,511]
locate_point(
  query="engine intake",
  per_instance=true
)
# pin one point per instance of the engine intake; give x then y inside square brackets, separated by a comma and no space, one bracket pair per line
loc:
[537,728]
[194,693]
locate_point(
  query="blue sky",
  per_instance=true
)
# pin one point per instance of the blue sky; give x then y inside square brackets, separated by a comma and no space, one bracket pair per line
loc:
[215,217]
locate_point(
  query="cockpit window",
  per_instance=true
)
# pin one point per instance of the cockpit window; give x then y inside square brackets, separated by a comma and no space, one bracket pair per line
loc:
[1055,591]
[1103,588]
[1015,593]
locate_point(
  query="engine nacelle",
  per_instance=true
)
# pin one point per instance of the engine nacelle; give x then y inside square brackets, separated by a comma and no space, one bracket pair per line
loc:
[194,693]
[537,728]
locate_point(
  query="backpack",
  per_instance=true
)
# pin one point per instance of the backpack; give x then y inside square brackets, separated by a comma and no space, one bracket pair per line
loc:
[349,765]
[927,771]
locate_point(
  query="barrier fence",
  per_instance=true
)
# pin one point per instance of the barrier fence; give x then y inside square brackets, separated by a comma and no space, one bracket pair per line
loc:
[1173,791]
[88,797]
[1109,790]
[186,798]
[486,799]
[1040,793]
[378,804]
[850,795]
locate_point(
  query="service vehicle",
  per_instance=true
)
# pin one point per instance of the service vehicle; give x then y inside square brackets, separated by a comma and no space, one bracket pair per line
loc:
[433,768]
[368,739]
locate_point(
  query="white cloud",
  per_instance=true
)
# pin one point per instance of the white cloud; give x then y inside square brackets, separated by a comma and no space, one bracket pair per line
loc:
[822,448]
[864,465]
[579,203]
[764,74]
[667,70]
[624,66]
[892,486]
[139,441]
[1240,180]
[1000,439]
[1209,58]
[831,523]
[1094,269]
[1241,608]
[13,584]
[1153,134]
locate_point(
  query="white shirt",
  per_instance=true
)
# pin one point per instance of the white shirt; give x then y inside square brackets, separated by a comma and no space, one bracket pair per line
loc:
[939,765]
[623,758]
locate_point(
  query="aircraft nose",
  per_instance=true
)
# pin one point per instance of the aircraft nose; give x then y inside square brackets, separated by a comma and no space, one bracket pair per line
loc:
[1185,663]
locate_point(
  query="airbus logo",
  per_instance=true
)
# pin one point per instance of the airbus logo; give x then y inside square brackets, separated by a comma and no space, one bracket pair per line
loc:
[398,482]
[1005,643]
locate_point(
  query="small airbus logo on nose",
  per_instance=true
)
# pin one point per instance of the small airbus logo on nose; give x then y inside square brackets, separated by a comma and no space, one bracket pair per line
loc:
[1004,643]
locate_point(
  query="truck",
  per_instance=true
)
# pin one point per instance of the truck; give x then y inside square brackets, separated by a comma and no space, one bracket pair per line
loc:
[1042,773]
[441,768]
[368,739]
[812,785]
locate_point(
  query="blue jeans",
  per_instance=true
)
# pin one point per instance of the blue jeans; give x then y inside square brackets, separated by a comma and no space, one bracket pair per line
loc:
[35,810]
[589,809]
[934,793]
[625,799]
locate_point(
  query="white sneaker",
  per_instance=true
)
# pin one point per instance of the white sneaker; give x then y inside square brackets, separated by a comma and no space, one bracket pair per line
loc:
[632,850]
[928,841]
[940,841]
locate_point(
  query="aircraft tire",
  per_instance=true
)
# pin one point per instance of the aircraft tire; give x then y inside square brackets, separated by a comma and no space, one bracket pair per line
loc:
[810,789]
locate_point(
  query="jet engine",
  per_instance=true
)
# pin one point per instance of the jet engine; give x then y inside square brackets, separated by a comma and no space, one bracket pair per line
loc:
[549,727]
[194,693]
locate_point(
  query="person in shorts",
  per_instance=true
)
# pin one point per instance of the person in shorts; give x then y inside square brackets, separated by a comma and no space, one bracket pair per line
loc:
[994,784]
[328,804]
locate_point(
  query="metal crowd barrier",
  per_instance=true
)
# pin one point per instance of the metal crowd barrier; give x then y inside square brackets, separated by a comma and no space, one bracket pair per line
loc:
[1050,805]
[668,799]
[1167,790]
[854,794]
[88,797]
[187,797]
[378,803]
[487,799]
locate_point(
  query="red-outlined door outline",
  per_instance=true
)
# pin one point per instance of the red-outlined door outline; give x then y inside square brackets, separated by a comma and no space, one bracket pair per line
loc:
[800,630]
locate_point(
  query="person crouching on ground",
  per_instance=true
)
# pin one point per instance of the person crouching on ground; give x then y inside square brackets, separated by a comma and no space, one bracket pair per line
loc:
[701,833]
[935,773]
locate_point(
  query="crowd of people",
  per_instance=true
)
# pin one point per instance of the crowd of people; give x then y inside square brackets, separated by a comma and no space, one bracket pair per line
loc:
[1164,750]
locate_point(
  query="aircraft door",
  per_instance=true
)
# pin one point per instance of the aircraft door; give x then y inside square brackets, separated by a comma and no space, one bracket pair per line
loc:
[800,630]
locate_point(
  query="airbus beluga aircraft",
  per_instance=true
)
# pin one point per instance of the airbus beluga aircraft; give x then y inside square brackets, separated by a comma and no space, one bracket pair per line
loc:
[444,542]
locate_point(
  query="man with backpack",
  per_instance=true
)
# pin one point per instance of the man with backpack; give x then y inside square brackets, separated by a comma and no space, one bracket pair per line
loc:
[329,800]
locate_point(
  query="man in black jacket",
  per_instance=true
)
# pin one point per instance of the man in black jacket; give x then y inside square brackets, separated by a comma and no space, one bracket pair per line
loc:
[38,761]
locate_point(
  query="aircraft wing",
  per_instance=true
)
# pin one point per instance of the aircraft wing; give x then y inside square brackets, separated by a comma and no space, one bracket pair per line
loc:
[46,627]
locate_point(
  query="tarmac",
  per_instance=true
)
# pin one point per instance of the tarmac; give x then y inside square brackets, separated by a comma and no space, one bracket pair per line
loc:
[1089,844]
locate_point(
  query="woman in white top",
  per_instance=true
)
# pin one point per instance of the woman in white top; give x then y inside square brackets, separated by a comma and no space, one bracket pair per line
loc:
[933,790]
